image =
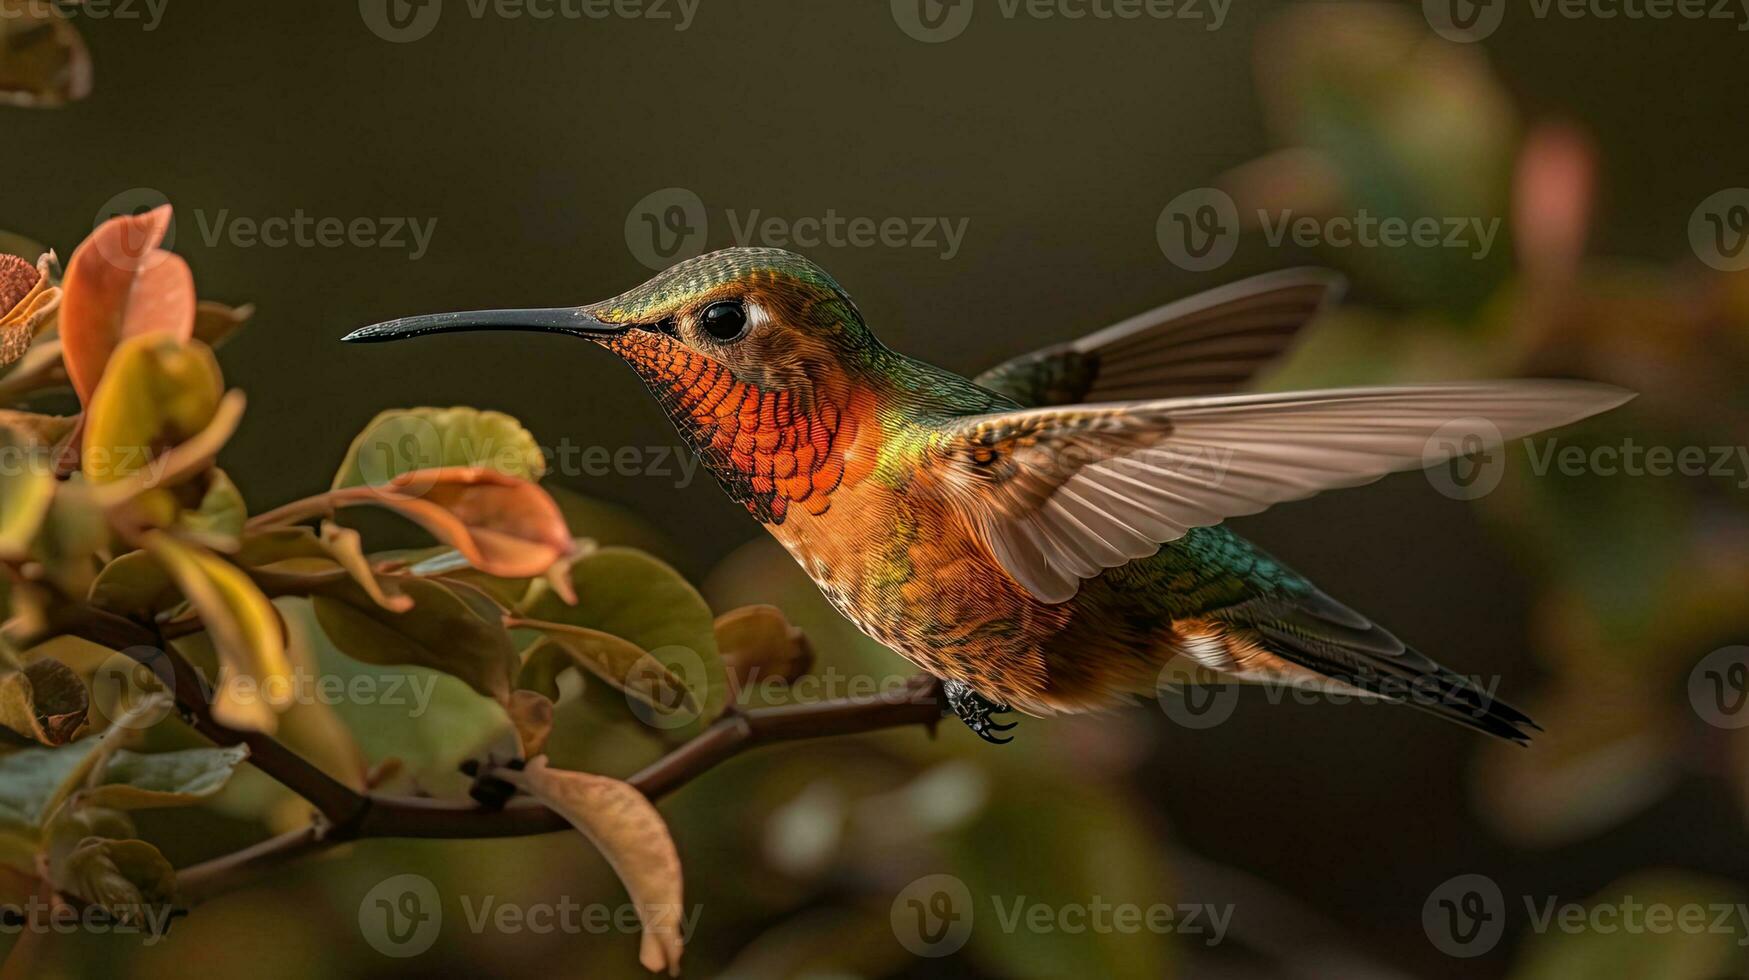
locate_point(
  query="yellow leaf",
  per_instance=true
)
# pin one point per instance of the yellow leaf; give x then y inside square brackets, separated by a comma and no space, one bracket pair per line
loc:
[215,322]
[27,487]
[346,546]
[244,627]
[155,394]
[628,831]
[758,643]
[532,715]
[621,663]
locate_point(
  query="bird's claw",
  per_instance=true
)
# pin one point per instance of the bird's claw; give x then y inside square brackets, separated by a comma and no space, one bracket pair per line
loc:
[975,710]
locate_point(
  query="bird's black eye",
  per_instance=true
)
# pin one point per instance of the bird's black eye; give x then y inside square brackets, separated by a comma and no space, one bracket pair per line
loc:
[724,321]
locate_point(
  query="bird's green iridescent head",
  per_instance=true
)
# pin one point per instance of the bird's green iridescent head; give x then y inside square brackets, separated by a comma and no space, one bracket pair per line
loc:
[771,317]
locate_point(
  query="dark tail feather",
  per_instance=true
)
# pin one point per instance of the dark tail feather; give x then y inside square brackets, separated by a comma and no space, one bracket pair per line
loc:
[1316,632]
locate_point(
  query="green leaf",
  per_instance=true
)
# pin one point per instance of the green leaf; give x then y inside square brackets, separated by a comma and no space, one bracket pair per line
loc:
[632,595]
[127,878]
[138,781]
[447,630]
[45,702]
[621,663]
[136,586]
[31,779]
[219,519]
[434,722]
[71,537]
[404,440]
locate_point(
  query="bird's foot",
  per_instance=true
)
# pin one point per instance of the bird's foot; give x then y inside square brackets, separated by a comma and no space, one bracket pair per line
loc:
[975,710]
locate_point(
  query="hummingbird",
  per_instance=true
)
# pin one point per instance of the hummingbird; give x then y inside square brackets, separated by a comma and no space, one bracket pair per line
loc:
[1047,537]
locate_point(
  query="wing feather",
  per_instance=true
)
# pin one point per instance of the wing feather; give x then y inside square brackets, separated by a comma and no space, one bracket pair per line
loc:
[1208,344]
[1061,494]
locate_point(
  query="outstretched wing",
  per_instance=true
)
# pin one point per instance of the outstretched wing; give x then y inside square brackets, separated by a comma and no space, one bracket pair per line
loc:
[1061,494]
[1212,343]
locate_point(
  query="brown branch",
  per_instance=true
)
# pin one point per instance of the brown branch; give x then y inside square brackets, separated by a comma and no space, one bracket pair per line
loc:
[917,703]
[347,815]
[338,803]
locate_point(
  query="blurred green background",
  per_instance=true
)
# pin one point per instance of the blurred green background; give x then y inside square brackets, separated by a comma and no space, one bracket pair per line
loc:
[1327,830]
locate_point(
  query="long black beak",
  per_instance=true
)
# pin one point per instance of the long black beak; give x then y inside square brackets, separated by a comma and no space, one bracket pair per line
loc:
[574,320]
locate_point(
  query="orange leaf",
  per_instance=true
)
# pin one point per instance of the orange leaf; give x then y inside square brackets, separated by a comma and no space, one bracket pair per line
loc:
[502,525]
[120,284]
